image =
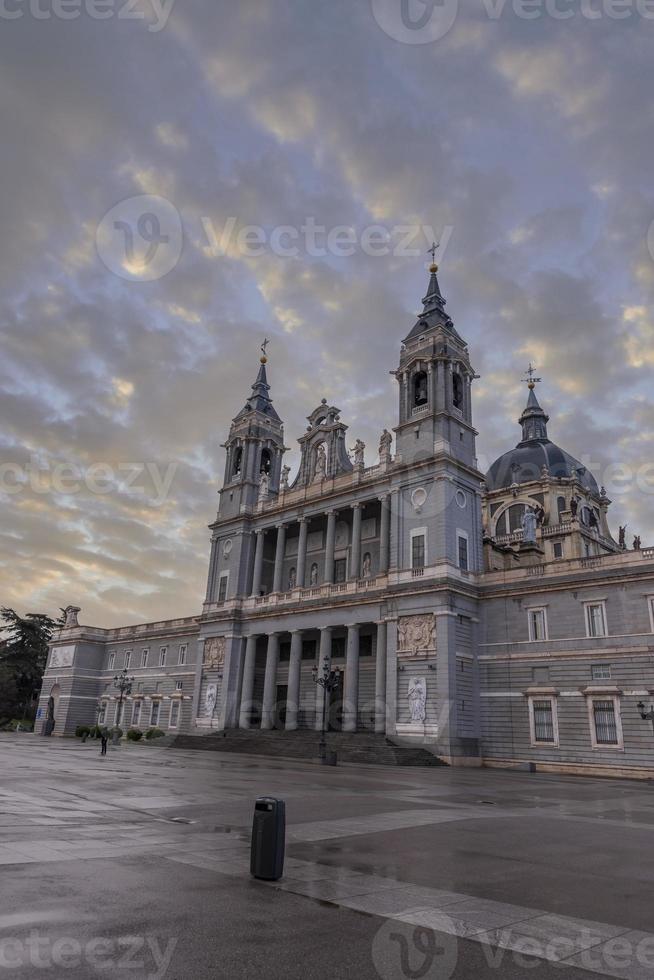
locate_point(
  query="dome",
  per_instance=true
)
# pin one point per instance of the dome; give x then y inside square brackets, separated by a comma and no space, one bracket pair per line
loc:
[525,463]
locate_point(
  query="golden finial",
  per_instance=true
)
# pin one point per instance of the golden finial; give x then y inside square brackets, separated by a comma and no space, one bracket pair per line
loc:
[263,358]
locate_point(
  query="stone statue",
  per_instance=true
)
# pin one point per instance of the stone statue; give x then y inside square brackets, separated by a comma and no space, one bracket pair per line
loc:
[544,472]
[529,523]
[637,543]
[367,565]
[313,575]
[622,536]
[321,463]
[292,579]
[540,515]
[70,617]
[284,478]
[264,487]
[358,450]
[417,698]
[385,443]
[210,699]
[574,507]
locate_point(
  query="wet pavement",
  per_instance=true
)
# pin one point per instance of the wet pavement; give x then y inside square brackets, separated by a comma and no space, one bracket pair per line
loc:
[137,865]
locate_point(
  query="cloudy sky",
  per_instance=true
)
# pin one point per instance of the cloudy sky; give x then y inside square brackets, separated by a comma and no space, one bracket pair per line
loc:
[524,142]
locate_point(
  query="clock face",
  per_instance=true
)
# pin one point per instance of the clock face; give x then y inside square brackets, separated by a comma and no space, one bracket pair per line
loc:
[227,547]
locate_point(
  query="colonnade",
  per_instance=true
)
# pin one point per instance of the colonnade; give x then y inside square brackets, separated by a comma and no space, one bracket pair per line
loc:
[350,684]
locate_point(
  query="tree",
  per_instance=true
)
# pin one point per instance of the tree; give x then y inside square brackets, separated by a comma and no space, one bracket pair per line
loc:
[23,656]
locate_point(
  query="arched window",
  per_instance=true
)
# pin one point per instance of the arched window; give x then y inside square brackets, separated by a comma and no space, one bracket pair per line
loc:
[420,396]
[516,513]
[457,391]
[561,506]
[238,460]
[266,462]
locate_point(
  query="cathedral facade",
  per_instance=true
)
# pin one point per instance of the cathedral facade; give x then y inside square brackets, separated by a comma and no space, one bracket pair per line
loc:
[490,617]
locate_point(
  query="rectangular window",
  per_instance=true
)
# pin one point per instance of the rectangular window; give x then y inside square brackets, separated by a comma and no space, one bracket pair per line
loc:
[537,624]
[600,672]
[558,549]
[606,728]
[103,713]
[136,713]
[162,656]
[154,713]
[418,555]
[174,714]
[463,553]
[181,660]
[543,721]
[222,586]
[595,619]
[340,570]
[144,658]
[179,685]
[128,659]
[112,660]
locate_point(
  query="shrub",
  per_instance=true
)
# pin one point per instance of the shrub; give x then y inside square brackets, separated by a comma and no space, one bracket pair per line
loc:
[95,731]
[134,735]
[116,730]
[82,730]
[154,733]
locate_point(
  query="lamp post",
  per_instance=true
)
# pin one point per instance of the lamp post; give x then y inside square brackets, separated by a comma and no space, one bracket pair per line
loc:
[122,683]
[329,680]
[646,715]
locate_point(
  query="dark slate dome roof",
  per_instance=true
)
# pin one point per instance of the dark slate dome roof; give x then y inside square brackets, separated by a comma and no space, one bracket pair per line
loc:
[525,462]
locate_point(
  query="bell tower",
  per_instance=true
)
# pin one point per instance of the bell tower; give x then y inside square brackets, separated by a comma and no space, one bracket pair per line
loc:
[435,378]
[255,448]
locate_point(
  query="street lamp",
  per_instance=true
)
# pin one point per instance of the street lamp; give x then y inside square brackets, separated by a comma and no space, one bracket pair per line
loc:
[646,715]
[122,683]
[329,680]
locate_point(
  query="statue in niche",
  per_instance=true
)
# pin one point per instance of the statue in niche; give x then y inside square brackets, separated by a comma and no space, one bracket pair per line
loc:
[417,698]
[385,444]
[313,575]
[70,617]
[284,477]
[210,699]
[264,487]
[529,524]
[292,579]
[321,463]
[367,565]
[358,449]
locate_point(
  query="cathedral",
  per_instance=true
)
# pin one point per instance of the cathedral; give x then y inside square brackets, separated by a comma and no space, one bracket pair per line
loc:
[491,618]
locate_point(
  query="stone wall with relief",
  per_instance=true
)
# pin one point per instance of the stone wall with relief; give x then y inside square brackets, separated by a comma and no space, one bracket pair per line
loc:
[213,662]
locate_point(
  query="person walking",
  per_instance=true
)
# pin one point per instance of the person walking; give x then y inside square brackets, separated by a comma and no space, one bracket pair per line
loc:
[103,742]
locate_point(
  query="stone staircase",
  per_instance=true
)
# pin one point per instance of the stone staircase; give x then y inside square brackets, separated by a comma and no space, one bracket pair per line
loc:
[366,748]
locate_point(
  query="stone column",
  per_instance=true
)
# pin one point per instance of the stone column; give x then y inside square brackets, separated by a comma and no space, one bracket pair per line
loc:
[279,557]
[355,570]
[380,679]
[211,581]
[351,698]
[258,562]
[301,568]
[294,668]
[270,682]
[247,687]
[384,535]
[391,677]
[329,546]
[324,654]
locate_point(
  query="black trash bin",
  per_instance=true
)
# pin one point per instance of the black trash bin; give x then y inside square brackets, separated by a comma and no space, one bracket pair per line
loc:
[268,839]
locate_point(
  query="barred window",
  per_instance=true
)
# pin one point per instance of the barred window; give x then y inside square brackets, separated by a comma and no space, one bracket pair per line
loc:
[543,721]
[605,721]
[418,551]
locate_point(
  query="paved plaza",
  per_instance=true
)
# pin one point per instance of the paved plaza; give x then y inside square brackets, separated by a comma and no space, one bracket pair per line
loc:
[137,865]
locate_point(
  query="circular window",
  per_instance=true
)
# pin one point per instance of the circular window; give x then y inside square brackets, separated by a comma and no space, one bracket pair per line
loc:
[227,547]
[461,499]
[418,497]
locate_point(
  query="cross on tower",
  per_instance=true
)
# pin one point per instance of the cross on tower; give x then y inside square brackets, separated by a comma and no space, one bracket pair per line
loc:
[263,348]
[531,381]
[432,251]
